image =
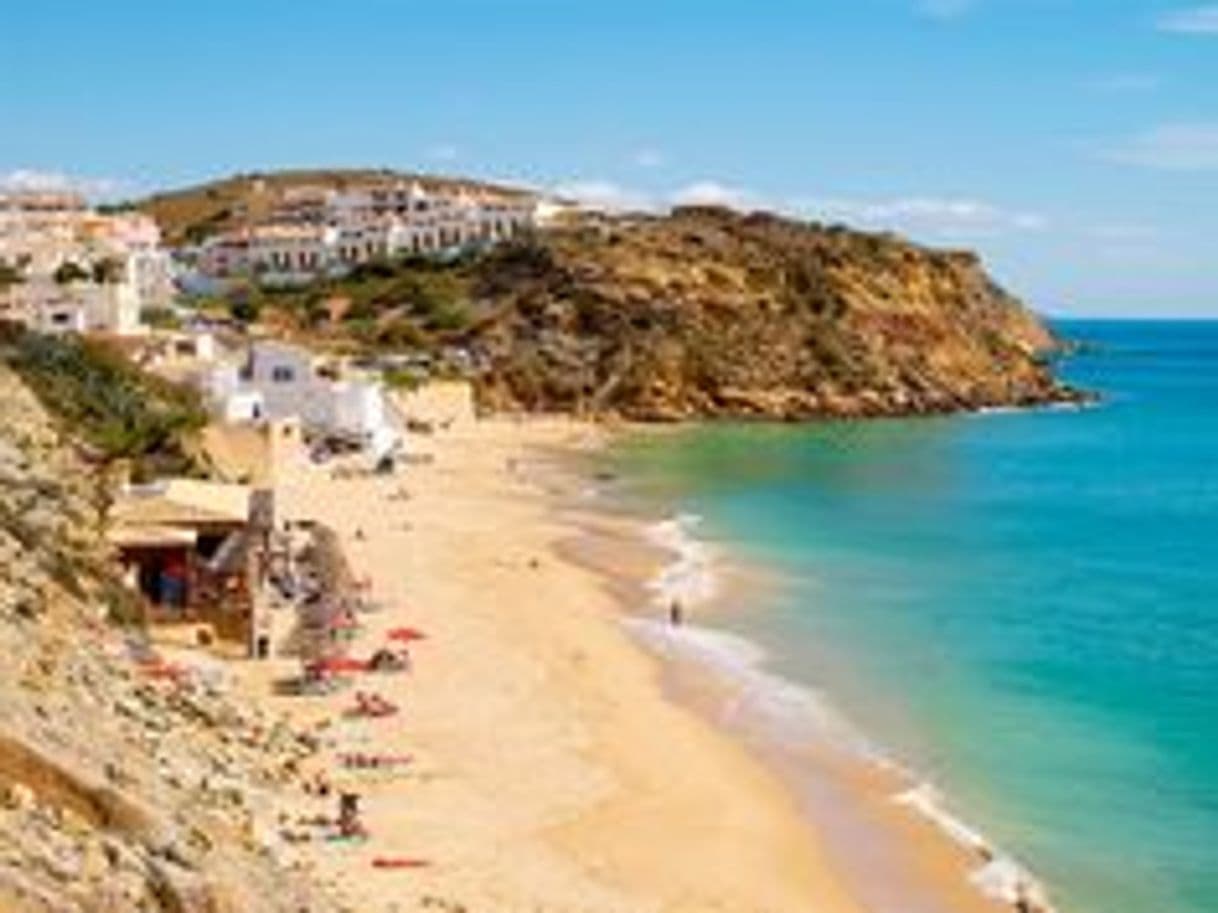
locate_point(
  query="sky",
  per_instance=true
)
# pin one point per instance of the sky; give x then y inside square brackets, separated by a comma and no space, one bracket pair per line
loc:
[1074,143]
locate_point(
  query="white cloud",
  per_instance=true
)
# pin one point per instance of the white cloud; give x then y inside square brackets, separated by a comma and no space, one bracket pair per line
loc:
[1197,20]
[648,157]
[613,197]
[1126,82]
[944,10]
[1124,232]
[1171,147]
[713,193]
[605,195]
[443,152]
[936,217]
[32,179]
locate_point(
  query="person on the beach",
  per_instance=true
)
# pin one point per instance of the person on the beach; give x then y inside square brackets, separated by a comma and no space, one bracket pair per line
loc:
[1023,903]
[675,613]
[349,824]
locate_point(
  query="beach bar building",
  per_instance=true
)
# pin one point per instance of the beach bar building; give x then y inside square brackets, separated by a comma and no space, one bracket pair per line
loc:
[195,552]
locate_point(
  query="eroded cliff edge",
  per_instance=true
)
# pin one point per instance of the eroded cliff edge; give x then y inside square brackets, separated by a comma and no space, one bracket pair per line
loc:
[118,789]
[710,313]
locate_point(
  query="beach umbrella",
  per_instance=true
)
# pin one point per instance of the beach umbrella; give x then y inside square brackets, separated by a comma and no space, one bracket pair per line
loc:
[342,664]
[406,634]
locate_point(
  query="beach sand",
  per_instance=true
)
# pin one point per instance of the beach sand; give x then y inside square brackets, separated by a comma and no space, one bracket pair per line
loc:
[552,770]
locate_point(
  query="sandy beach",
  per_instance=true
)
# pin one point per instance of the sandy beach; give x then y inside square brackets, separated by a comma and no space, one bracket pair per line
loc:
[550,767]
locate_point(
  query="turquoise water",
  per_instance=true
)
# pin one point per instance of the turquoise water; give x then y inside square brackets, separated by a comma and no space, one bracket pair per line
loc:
[1022,606]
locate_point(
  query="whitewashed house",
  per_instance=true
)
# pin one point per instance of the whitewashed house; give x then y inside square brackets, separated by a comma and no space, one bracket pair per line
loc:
[79,307]
[80,270]
[281,381]
[287,254]
[314,231]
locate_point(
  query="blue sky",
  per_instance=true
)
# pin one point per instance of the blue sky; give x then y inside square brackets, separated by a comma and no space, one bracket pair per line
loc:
[1073,142]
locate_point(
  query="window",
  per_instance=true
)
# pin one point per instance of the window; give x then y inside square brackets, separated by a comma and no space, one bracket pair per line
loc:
[282,374]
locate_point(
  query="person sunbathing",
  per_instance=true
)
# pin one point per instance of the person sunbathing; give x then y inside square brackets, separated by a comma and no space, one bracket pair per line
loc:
[372,705]
[361,761]
[387,660]
[350,824]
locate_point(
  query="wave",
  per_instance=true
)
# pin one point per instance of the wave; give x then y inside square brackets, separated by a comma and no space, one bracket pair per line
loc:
[786,712]
[1065,406]
[1000,876]
[690,579]
[759,696]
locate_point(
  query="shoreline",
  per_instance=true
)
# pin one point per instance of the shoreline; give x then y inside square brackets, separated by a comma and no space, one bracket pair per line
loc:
[935,852]
[536,779]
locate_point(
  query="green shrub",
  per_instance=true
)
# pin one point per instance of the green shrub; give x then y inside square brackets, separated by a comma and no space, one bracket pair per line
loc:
[10,276]
[117,409]
[246,309]
[161,318]
[404,378]
[69,272]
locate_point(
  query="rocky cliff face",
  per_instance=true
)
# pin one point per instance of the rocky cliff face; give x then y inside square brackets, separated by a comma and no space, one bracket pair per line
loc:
[711,313]
[118,792]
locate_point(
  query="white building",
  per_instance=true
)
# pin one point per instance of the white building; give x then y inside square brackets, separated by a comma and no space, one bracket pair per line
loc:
[291,253]
[317,231]
[79,270]
[280,381]
[85,307]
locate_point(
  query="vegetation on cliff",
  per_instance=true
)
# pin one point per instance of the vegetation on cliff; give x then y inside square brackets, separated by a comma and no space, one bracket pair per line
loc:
[713,313]
[118,790]
[380,306]
[704,312]
[119,411]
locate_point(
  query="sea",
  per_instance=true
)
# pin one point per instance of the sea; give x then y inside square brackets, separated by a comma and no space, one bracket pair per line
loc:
[1020,608]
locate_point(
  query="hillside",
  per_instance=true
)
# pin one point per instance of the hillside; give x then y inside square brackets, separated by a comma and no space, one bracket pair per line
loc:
[195,212]
[118,791]
[703,313]
[712,313]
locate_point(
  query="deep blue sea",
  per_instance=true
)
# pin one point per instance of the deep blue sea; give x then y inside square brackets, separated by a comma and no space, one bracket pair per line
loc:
[1022,606]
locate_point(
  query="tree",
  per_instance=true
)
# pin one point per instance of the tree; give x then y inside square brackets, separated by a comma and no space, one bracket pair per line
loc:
[110,209]
[9,276]
[68,272]
[109,271]
[400,333]
[161,318]
[245,310]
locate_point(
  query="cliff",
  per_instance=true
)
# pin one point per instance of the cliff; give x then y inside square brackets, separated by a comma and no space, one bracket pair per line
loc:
[700,313]
[118,791]
[711,313]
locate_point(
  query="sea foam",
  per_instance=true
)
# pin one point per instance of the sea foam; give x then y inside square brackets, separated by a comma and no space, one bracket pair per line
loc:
[689,578]
[782,710]
[760,695]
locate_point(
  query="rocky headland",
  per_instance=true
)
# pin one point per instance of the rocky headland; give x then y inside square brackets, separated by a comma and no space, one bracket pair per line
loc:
[711,313]
[703,312]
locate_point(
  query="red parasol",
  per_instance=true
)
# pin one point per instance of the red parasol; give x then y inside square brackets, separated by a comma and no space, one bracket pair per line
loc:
[162,669]
[406,634]
[342,664]
[399,862]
